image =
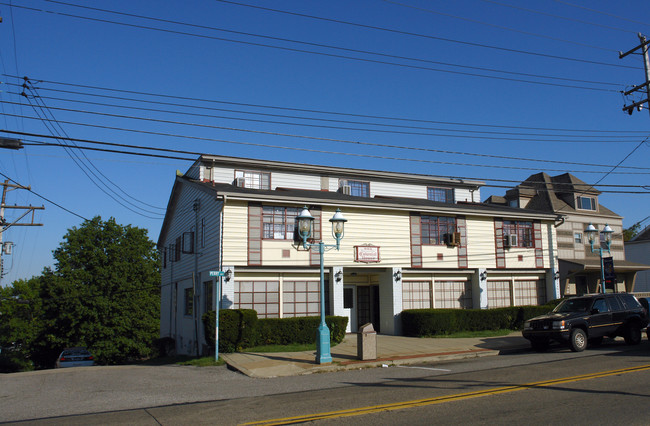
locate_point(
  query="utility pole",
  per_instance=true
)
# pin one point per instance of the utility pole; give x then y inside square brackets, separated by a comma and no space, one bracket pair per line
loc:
[646,85]
[5,247]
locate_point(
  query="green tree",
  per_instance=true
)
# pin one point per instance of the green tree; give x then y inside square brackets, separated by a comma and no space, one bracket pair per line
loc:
[104,294]
[20,307]
[631,232]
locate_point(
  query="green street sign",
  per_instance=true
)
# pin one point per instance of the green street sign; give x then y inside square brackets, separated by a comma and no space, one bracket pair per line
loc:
[217,273]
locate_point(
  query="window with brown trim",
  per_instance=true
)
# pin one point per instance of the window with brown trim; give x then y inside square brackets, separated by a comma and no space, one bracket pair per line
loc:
[434,229]
[279,222]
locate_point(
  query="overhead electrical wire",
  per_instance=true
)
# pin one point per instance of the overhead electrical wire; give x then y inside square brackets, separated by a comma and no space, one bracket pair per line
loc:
[526,52]
[602,13]
[424,68]
[146,148]
[87,167]
[382,124]
[501,27]
[539,12]
[208,126]
[284,108]
[333,152]
[404,147]
[44,198]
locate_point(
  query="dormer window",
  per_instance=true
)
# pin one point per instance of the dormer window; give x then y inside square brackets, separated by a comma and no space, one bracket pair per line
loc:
[356,188]
[252,179]
[587,203]
[441,195]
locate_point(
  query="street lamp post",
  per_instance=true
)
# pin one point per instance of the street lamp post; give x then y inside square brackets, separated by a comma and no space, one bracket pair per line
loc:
[305,228]
[592,233]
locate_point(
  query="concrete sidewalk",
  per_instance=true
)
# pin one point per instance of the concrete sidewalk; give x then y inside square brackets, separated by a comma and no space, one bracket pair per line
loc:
[391,350]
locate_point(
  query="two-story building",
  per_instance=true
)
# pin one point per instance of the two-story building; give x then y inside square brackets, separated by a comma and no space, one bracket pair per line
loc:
[577,205]
[410,241]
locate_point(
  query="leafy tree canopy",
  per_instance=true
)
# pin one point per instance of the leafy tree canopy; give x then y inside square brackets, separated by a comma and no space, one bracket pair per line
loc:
[103,293]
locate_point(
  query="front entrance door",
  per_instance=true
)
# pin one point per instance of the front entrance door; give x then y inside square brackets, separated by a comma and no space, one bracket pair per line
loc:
[368,306]
[350,307]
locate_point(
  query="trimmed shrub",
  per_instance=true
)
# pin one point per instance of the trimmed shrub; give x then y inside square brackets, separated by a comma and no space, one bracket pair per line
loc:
[432,322]
[240,329]
[276,331]
[237,329]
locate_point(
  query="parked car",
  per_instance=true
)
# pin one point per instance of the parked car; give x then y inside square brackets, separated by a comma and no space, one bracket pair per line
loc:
[583,320]
[75,357]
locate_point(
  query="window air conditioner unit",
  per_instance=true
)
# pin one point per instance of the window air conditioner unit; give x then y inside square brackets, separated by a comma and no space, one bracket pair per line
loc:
[346,189]
[452,238]
[240,182]
[510,240]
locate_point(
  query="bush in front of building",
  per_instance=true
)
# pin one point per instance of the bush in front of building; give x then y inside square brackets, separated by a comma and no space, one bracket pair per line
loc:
[284,331]
[237,329]
[240,329]
[435,322]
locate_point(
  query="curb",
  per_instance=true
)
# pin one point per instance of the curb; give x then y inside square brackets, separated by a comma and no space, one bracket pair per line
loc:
[379,362]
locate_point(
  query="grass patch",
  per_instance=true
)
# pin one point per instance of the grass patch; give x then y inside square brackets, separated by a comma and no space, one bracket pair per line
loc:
[206,361]
[296,347]
[482,333]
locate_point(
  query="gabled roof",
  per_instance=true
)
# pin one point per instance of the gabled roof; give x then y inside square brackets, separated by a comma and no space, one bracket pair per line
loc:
[549,193]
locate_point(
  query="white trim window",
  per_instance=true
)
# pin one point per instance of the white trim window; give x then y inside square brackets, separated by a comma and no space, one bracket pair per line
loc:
[586,203]
[253,179]
[441,195]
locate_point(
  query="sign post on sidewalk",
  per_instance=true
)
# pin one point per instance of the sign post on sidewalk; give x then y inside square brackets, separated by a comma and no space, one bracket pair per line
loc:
[219,275]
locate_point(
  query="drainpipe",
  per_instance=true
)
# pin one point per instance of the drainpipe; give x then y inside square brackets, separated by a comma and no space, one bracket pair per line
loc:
[195,277]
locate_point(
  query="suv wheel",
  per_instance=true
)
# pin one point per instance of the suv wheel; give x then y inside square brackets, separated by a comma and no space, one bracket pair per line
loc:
[632,335]
[578,340]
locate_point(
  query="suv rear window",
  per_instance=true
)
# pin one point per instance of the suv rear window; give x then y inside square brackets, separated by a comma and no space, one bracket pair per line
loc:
[630,301]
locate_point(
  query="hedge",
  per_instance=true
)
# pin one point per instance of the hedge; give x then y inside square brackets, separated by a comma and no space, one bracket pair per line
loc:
[432,322]
[240,329]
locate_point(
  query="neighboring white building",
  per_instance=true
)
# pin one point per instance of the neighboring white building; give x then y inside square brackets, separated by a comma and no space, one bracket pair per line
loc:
[411,241]
[638,250]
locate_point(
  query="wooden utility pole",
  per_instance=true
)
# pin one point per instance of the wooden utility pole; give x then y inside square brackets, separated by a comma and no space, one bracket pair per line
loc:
[646,85]
[5,247]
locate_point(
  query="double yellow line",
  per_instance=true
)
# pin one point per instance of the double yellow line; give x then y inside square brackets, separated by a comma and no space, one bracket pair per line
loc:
[440,399]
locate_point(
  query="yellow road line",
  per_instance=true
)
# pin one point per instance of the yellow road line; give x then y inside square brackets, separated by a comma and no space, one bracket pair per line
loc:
[440,399]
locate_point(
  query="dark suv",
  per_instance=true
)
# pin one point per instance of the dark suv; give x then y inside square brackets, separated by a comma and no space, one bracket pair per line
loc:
[588,318]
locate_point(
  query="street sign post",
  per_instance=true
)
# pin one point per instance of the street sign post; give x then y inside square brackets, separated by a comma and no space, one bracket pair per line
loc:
[219,275]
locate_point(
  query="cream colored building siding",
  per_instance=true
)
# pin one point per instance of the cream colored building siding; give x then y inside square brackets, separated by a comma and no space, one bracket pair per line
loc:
[294,181]
[439,256]
[235,233]
[464,194]
[388,230]
[388,189]
[481,249]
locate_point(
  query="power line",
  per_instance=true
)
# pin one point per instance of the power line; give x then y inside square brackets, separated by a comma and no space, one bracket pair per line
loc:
[121,98]
[146,148]
[422,35]
[601,12]
[45,198]
[337,113]
[580,21]
[341,48]
[332,55]
[86,167]
[236,129]
[404,147]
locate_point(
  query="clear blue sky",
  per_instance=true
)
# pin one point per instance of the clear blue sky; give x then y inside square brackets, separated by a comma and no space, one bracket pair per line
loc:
[305,82]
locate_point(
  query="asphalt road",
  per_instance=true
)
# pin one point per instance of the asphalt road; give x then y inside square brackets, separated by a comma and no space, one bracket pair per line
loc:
[503,389]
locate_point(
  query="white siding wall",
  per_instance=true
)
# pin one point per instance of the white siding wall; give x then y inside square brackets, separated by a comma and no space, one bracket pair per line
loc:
[480,243]
[184,220]
[640,252]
